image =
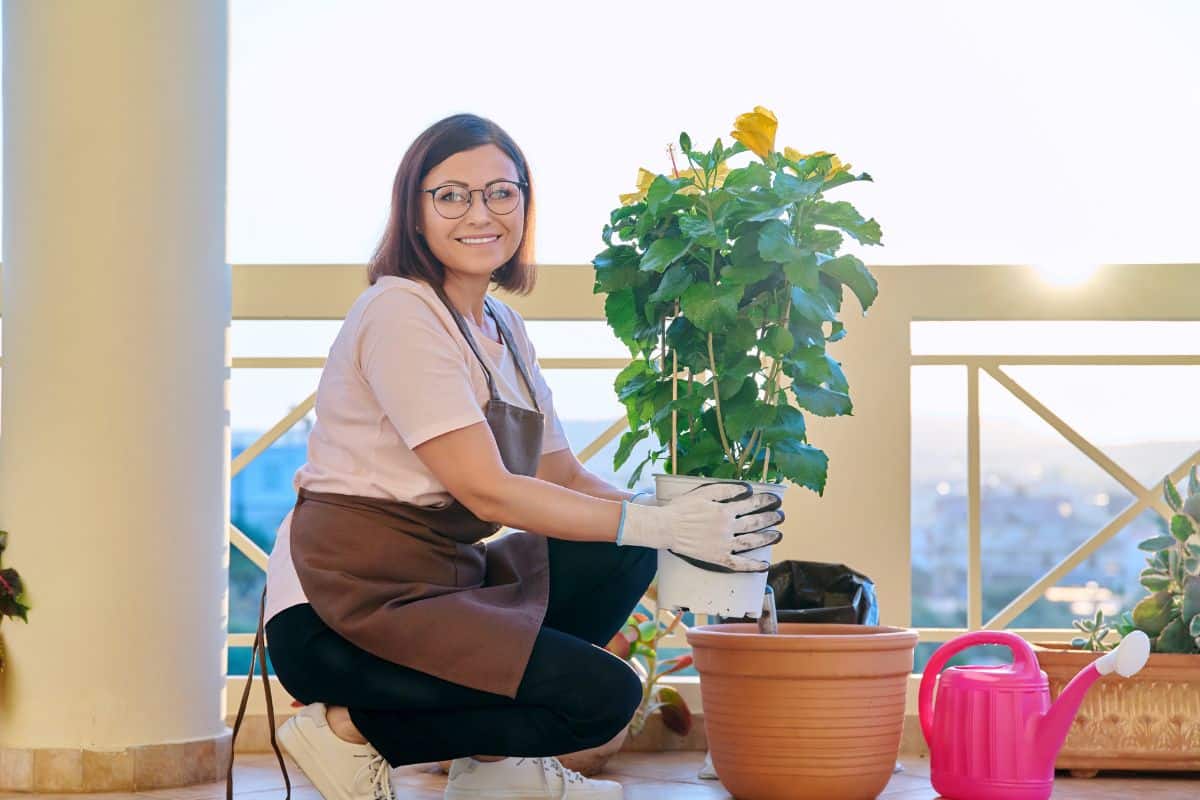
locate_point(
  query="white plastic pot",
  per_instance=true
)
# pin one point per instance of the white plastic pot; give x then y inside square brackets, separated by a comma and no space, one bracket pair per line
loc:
[683,586]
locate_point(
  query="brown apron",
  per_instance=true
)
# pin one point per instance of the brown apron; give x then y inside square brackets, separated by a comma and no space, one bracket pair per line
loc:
[416,585]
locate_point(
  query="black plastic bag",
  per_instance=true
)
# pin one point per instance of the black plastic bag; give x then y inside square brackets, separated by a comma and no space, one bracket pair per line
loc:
[817,592]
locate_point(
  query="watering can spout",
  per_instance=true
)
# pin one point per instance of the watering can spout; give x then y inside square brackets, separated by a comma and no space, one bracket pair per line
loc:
[1126,659]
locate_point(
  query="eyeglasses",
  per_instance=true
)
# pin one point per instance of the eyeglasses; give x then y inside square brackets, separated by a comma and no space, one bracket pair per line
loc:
[452,201]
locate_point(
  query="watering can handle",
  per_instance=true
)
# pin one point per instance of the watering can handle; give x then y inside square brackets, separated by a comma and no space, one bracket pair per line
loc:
[1024,661]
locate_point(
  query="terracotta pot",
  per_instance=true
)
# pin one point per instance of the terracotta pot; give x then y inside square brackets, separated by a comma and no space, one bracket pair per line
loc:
[1150,721]
[813,713]
[586,762]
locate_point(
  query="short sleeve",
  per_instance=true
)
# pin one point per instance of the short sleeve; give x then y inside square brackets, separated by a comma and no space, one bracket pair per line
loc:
[415,368]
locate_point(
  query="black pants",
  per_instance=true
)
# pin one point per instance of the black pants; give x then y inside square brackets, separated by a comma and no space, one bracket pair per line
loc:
[574,694]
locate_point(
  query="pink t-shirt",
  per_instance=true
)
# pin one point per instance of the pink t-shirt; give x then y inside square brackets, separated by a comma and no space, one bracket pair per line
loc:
[398,374]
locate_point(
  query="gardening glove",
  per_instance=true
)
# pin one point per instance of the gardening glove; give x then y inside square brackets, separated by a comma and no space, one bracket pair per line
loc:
[704,526]
[645,498]
[744,542]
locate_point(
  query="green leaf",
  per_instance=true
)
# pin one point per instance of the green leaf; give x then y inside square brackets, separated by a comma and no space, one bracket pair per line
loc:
[803,271]
[1194,627]
[746,274]
[822,402]
[622,315]
[3,540]
[1152,613]
[1182,527]
[1193,481]
[616,268]
[802,464]
[1171,495]
[808,365]
[634,378]
[694,226]
[1078,643]
[821,240]
[1155,583]
[647,631]
[1190,606]
[779,341]
[1156,543]
[628,440]
[711,307]
[663,188]
[749,177]
[812,305]
[685,142]
[1174,639]
[775,242]
[677,278]
[793,190]
[844,216]
[662,254]
[788,424]
[851,271]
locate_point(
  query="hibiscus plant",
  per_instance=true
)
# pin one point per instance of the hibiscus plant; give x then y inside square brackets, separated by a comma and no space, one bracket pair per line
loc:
[726,285]
[12,595]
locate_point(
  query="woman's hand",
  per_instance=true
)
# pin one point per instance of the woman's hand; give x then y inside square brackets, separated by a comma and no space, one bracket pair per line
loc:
[709,524]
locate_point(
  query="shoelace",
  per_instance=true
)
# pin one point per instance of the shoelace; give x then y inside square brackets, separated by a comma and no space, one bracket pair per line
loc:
[565,776]
[380,776]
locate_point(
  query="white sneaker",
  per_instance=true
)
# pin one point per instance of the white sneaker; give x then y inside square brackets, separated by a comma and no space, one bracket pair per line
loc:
[338,769]
[524,779]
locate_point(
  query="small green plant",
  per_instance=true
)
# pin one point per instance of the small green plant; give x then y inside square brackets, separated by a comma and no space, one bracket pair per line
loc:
[726,284]
[12,595]
[637,643]
[1170,615]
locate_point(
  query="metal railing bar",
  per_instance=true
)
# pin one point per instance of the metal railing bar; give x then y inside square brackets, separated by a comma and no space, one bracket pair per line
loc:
[1057,360]
[1076,557]
[974,489]
[249,549]
[610,433]
[267,439]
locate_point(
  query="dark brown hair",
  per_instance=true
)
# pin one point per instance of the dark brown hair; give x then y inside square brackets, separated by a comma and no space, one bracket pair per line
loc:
[402,251]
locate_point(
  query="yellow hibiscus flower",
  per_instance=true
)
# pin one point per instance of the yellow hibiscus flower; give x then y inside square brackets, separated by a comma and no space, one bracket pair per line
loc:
[835,163]
[756,130]
[698,177]
[644,179]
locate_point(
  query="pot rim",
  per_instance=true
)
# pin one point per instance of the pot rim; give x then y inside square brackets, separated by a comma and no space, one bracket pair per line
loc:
[756,485]
[1064,648]
[802,636]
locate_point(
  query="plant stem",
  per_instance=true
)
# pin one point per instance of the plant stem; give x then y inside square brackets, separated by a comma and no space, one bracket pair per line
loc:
[712,363]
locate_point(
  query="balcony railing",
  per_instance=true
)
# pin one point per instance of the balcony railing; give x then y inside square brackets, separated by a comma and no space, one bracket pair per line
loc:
[871,449]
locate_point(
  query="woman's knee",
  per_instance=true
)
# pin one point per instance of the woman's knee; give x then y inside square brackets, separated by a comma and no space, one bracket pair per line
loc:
[613,694]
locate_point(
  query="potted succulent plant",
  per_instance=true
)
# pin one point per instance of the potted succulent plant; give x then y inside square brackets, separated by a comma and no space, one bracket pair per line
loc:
[726,285]
[12,595]
[1152,720]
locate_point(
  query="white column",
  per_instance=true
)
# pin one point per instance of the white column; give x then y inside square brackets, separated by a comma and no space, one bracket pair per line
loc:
[116,304]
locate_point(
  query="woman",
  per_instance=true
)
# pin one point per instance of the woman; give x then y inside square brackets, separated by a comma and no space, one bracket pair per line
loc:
[410,639]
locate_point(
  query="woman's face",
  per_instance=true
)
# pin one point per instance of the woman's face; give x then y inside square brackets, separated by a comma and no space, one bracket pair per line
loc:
[491,239]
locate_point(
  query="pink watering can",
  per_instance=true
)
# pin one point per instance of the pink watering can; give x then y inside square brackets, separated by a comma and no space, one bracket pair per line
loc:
[993,734]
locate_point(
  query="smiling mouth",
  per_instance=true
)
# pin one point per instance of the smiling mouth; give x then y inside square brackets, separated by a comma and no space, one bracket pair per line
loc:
[476,241]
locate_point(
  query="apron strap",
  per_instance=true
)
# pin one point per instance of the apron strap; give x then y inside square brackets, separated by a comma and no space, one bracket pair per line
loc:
[462,327]
[512,349]
[259,652]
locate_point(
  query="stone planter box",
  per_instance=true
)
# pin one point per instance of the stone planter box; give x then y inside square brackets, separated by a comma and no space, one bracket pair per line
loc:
[1150,721]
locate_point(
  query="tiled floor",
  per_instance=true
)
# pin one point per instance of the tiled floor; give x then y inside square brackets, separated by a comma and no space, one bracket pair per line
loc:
[645,776]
